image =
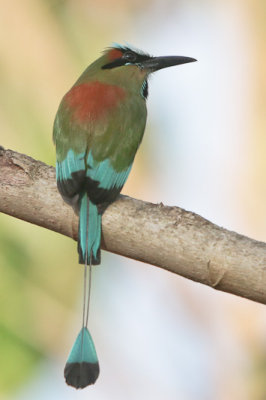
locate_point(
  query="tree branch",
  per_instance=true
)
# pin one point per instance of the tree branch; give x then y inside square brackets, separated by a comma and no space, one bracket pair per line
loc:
[168,237]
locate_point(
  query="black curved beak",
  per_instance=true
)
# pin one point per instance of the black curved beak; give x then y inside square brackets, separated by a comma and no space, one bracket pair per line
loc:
[156,63]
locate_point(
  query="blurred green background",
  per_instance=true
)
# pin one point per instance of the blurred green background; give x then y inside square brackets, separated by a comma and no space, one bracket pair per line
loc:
[158,336]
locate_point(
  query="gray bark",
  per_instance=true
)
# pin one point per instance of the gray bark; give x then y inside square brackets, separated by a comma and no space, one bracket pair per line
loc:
[168,237]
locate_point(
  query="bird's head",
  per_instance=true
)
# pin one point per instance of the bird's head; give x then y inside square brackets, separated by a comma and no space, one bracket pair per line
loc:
[124,66]
[119,56]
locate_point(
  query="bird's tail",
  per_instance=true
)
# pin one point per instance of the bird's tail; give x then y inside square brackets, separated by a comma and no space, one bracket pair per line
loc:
[89,236]
[82,367]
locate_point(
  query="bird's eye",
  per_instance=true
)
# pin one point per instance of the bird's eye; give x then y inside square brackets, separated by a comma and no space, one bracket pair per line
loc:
[129,56]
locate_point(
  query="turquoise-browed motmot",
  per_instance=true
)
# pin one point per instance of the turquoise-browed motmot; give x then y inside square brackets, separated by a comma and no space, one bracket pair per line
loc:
[97,131]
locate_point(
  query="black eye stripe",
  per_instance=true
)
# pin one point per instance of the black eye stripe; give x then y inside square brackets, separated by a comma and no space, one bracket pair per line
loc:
[128,56]
[116,63]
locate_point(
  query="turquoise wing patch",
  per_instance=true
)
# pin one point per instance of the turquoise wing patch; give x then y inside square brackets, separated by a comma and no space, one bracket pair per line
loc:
[103,182]
[72,163]
[105,174]
[70,175]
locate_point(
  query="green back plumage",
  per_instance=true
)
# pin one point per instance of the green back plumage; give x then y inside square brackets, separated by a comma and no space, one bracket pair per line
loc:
[118,133]
[97,131]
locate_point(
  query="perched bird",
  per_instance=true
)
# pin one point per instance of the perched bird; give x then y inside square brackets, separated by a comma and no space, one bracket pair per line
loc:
[97,130]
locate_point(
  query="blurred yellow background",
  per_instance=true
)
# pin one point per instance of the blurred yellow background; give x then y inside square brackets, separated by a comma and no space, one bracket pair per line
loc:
[158,336]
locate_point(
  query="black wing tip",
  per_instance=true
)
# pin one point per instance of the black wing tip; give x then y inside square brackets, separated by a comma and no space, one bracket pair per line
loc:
[80,375]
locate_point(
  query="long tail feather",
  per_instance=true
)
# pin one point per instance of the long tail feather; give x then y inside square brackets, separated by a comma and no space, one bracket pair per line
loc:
[91,234]
[82,366]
